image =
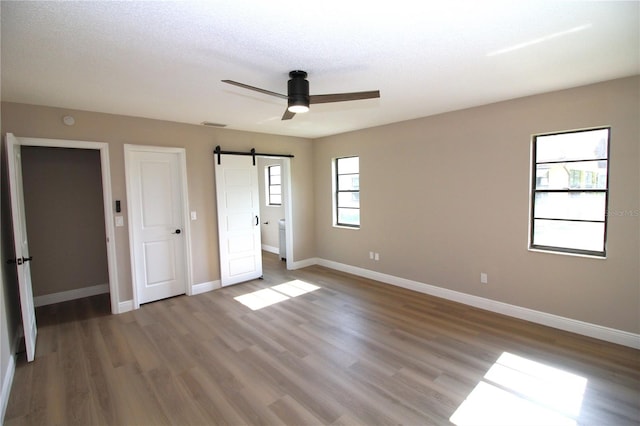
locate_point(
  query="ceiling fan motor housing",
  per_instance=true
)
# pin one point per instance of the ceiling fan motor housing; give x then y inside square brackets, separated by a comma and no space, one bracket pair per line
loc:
[298,89]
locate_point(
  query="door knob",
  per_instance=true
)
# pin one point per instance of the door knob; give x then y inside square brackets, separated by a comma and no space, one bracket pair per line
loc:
[177,231]
[19,260]
[27,259]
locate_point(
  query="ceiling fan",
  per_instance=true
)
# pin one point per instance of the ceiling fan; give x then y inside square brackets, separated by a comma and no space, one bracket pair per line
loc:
[298,97]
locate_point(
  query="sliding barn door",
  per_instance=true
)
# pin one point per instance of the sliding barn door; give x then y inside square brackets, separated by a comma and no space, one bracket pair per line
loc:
[238,219]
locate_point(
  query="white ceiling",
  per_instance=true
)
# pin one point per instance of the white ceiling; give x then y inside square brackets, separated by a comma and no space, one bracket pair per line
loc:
[165,60]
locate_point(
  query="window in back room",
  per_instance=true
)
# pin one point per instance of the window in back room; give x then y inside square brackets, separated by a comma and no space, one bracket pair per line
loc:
[274,185]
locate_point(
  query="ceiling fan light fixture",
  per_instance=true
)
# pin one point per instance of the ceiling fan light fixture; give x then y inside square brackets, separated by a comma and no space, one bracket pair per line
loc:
[298,92]
[298,108]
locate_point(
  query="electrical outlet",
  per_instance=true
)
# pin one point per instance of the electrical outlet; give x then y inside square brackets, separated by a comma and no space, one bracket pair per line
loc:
[484,279]
[376,256]
[371,255]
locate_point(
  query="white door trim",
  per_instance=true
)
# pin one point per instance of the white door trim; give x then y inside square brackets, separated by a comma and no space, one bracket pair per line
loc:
[288,210]
[182,159]
[107,201]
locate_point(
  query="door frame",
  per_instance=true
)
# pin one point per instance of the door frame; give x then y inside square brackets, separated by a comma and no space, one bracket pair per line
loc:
[105,166]
[288,210]
[182,164]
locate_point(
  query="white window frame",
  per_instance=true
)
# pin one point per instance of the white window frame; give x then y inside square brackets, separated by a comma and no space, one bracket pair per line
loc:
[268,185]
[534,191]
[337,191]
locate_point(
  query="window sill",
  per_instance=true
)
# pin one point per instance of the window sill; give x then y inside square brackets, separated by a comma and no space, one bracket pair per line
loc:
[589,256]
[353,228]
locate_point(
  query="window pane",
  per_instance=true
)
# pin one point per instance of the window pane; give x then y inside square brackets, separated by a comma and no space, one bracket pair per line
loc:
[574,205]
[274,170]
[275,189]
[582,175]
[587,145]
[349,199]
[348,182]
[348,165]
[275,199]
[274,180]
[571,235]
[349,217]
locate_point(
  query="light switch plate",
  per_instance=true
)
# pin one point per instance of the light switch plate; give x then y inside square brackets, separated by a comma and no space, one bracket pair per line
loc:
[194,215]
[119,221]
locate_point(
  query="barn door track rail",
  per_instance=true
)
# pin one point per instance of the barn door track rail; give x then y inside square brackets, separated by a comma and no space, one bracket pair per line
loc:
[218,151]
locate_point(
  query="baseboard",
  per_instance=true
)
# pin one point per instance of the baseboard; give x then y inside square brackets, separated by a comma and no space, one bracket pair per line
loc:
[125,306]
[9,373]
[64,296]
[305,263]
[567,324]
[271,249]
[205,287]
[7,381]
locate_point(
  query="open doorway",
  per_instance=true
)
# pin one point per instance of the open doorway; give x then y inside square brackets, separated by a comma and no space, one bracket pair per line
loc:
[63,198]
[274,181]
[272,205]
[23,259]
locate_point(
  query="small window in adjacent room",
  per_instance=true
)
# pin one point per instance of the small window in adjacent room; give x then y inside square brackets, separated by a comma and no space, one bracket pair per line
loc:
[274,186]
[347,192]
[569,193]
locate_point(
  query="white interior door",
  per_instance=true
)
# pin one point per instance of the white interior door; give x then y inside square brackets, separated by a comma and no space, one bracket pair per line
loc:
[238,219]
[156,200]
[22,259]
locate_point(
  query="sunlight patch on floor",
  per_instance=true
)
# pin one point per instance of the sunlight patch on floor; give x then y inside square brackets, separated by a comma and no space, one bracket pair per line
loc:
[268,296]
[518,391]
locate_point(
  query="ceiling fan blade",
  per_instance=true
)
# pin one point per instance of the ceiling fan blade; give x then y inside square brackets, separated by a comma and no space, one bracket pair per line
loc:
[341,97]
[255,89]
[288,115]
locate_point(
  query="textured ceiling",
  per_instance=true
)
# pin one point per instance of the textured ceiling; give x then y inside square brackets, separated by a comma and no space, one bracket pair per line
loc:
[165,60]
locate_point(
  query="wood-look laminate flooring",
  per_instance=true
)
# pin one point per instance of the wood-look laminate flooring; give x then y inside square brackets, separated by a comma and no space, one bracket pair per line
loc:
[352,352]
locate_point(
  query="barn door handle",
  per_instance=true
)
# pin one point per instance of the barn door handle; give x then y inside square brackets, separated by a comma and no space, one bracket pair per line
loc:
[177,231]
[257,221]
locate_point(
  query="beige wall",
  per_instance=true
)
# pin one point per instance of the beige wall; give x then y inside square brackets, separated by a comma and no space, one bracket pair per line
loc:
[270,214]
[445,198]
[199,142]
[65,218]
